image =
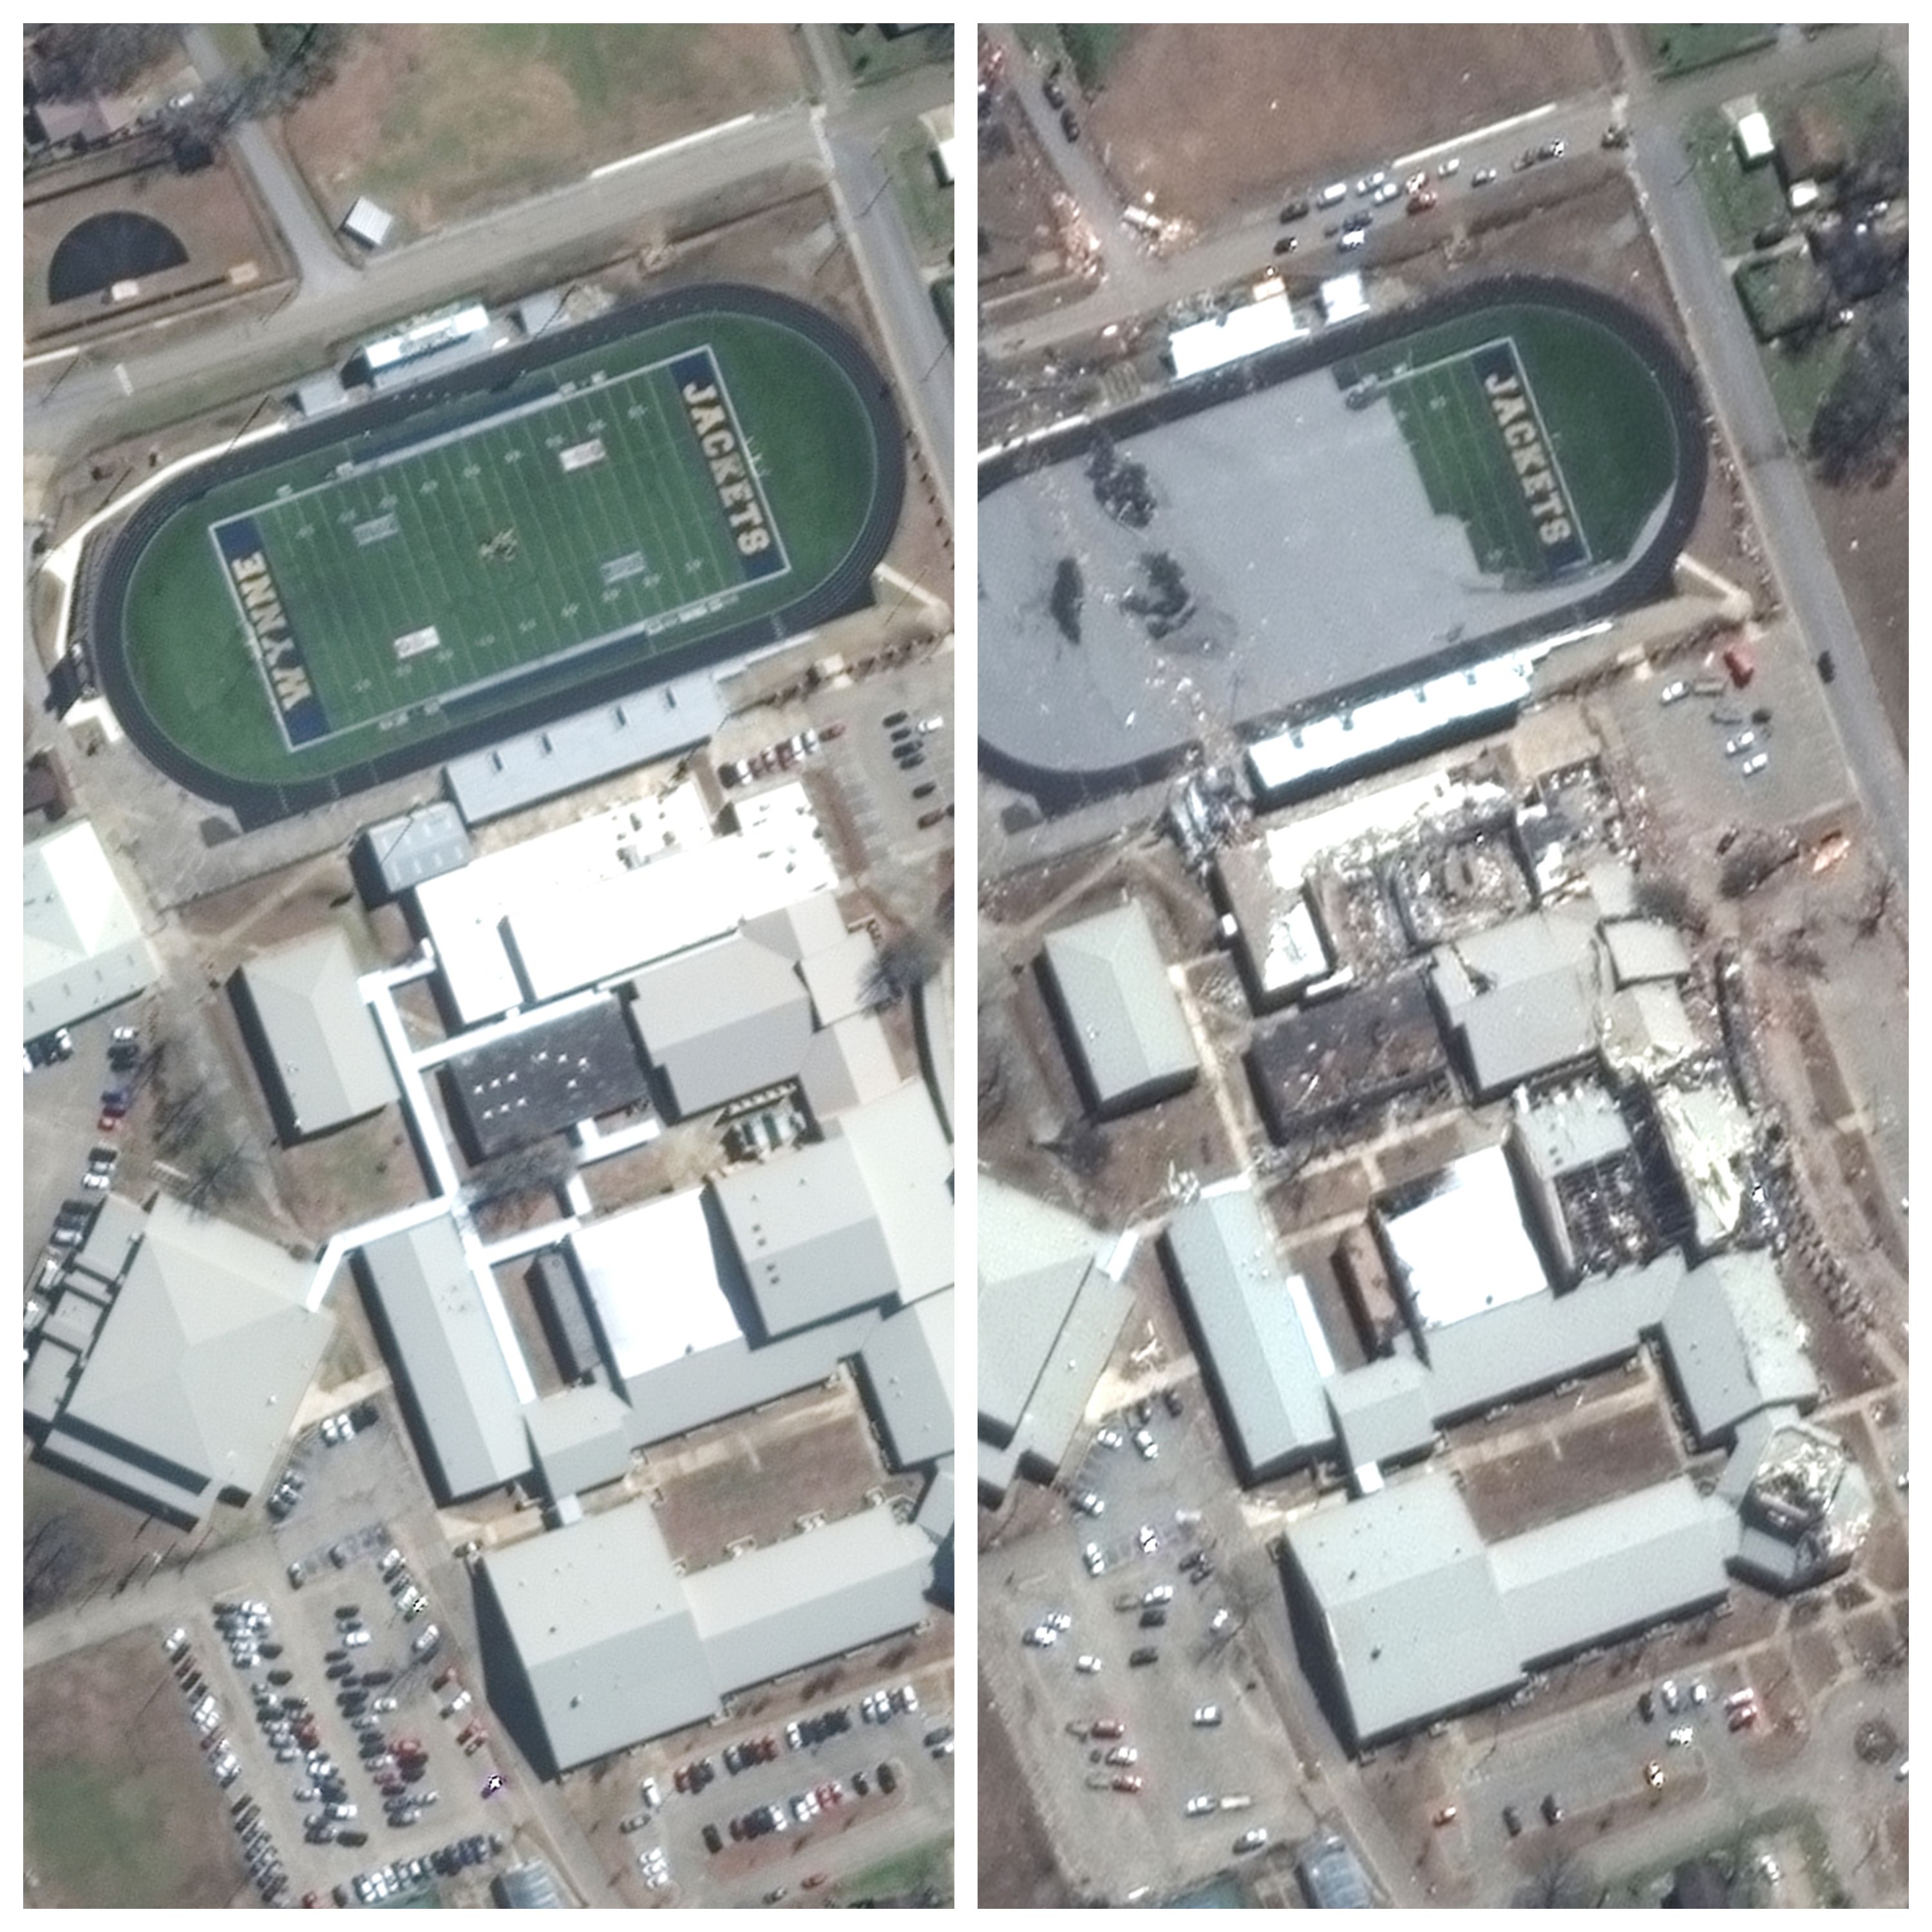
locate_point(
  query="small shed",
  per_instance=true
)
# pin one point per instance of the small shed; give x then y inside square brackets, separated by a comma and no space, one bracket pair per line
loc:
[368,224]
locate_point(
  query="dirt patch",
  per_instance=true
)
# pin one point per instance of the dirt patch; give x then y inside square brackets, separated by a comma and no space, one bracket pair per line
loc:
[1017,1870]
[1868,533]
[1543,1481]
[120,1809]
[754,1477]
[1214,119]
[438,123]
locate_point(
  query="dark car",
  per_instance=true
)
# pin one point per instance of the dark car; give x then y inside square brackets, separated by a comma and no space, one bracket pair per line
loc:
[281,1677]
[888,1779]
[714,1841]
[893,718]
[1512,1820]
[1153,1617]
[335,1657]
[1296,210]
[270,1650]
[348,1613]
[1070,124]
[1056,95]
[1827,668]
[1287,245]
[365,1415]
[352,1837]
[1552,1812]
[379,1676]
[1171,1399]
[1147,1653]
[337,1672]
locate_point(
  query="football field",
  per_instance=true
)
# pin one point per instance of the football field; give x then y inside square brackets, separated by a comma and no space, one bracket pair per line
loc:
[630,507]
[1448,414]
[564,524]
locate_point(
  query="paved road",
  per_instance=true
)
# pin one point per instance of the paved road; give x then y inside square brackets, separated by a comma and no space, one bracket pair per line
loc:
[87,403]
[317,261]
[916,344]
[1740,395]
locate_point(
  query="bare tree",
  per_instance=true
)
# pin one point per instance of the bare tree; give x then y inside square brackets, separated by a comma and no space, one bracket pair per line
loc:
[901,966]
[1559,1881]
[70,63]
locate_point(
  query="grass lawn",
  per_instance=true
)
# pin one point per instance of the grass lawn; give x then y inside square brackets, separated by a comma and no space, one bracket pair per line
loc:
[1646,1886]
[908,1874]
[438,123]
[1739,200]
[925,201]
[241,46]
[1800,383]
[1675,50]
[1089,50]
[1858,99]
[872,57]
[101,1837]
[631,553]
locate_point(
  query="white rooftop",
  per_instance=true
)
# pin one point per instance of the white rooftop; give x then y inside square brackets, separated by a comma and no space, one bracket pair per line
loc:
[1462,1249]
[1343,297]
[1256,326]
[653,1274]
[82,948]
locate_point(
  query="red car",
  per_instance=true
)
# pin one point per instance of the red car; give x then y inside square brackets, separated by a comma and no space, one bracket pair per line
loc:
[108,1123]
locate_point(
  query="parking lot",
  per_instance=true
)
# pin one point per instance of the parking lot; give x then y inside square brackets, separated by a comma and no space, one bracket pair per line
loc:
[883,800]
[1680,747]
[62,1111]
[856,1821]
[300,1651]
[1112,1840]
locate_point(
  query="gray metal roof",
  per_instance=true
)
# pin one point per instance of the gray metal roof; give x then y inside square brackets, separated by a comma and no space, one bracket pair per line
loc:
[1622,1565]
[567,1326]
[81,945]
[907,1363]
[576,750]
[529,1887]
[448,1353]
[839,976]
[109,1245]
[811,1596]
[907,1163]
[1255,1337]
[1403,1586]
[1049,1319]
[713,1383]
[936,1508]
[601,1625]
[1381,1410]
[327,1056]
[725,1020]
[579,1438]
[49,1376]
[421,844]
[1734,1344]
[1124,1025]
[1545,1338]
[1332,1875]
[201,1364]
[798,930]
[847,1064]
[1564,1133]
[1646,949]
[1529,1026]
[807,1235]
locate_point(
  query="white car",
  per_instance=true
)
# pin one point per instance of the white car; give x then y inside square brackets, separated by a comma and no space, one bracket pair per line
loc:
[1161,1593]
[1149,1542]
[1220,1620]
[428,1642]
[1041,1636]
[1088,1504]
[1683,1734]
[174,1642]
[1057,1620]
[1087,1665]
[1094,1558]
[1755,764]
[1201,1804]
[354,1639]
[1355,238]
[1110,1438]
[1453,166]
[928,726]
[1144,1442]
[1743,742]
[1207,1715]
[1678,688]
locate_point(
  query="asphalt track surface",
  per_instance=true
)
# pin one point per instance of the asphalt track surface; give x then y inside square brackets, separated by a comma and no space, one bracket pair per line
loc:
[1280,629]
[108,563]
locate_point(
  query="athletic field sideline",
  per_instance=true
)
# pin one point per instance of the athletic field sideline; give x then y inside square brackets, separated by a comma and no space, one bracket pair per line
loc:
[1539,428]
[1449,415]
[562,524]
